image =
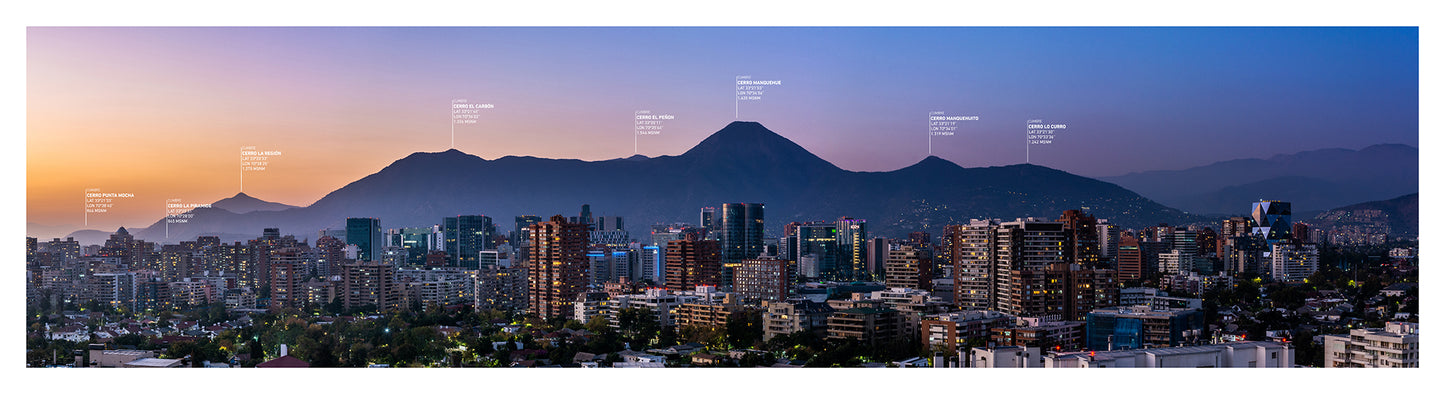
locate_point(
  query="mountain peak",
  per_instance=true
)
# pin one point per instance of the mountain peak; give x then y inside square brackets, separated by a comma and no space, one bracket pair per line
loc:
[935,162]
[243,203]
[751,141]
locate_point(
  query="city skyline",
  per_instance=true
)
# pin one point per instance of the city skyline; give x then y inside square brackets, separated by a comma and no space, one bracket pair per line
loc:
[341,103]
[161,113]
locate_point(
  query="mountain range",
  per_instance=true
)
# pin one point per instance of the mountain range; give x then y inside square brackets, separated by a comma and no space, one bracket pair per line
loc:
[743,162]
[1311,181]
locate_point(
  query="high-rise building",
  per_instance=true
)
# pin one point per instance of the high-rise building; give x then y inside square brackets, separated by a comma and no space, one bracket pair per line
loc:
[287,273]
[1131,259]
[1301,232]
[502,288]
[372,284]
[1085,289]
[708,219]
[606,265]
[649,264]
[331,254]
[1083,238]
[820,239]
[366,234]
[1023,249]
[877,249]
[1108,242]
[1293,261]
[1183,242]
[68,250]
[763,279]
[416,241]
[585,216]
[1271,219]
[692,262]
[465,236]
[742,237]
[852,253]
[907,267]
[519,233]
[31,247]
[557,266]
[971,253]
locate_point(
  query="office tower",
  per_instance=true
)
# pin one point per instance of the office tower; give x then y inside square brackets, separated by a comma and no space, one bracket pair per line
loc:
[585,217]
[611,238]
[370,284]
[650,264]
[1180,253]
[1108,242]
[664,233]
[877,250]
[763,279]
[692,262]
[416,241]
[707,218]
[1271,220]
[1131,259]
[519,233]
[1082,238]
[287,273]
[820,239]
[908,268]
[971,253]
[1138,326]
[607,223]
[557,266]
[742,237]
[852,253]
[602,266]
[366,234]
[1248,255]
[465,236]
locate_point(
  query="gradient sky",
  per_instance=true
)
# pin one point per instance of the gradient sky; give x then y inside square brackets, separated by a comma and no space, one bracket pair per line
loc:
[162,112]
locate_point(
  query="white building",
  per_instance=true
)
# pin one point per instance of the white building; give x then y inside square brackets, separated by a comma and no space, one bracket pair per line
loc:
[1395,346]
[1007,357]
[1248,354]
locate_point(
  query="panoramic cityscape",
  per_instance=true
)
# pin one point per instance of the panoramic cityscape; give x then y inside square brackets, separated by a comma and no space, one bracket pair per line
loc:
[722,197]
